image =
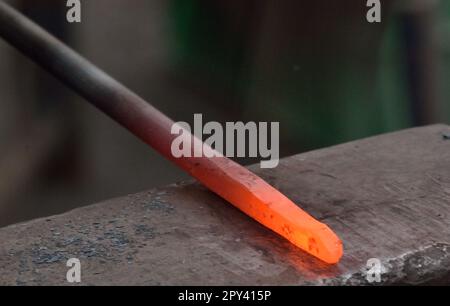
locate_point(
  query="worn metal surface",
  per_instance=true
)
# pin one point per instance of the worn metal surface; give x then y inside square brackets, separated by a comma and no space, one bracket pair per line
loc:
[388,197]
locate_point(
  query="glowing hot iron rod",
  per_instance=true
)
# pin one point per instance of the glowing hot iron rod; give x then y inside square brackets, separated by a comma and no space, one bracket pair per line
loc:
[234,183]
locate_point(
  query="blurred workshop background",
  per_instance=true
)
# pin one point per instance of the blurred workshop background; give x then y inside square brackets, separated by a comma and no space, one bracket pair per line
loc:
[318,67]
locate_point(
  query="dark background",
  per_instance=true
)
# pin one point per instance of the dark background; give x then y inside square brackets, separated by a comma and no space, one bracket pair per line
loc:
[318,67]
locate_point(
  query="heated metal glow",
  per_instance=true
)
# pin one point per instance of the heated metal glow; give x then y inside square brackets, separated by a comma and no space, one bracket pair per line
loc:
[234,183]
[259,200]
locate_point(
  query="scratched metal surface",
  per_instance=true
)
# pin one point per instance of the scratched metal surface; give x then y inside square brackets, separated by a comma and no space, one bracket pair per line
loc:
[387,197]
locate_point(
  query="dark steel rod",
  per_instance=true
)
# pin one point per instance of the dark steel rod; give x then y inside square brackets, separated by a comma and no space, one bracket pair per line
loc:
[93,84]
[228,179]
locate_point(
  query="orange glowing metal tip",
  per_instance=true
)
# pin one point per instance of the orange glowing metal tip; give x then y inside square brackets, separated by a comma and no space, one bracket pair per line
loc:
[262,202]
[234,183]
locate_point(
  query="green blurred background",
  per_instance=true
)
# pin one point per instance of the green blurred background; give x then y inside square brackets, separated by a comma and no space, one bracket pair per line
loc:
[321,69]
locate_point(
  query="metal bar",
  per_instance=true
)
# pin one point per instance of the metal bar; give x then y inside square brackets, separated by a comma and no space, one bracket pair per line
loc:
[234,183]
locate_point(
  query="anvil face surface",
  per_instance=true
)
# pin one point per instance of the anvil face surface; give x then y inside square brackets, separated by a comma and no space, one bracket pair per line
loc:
[387,197]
